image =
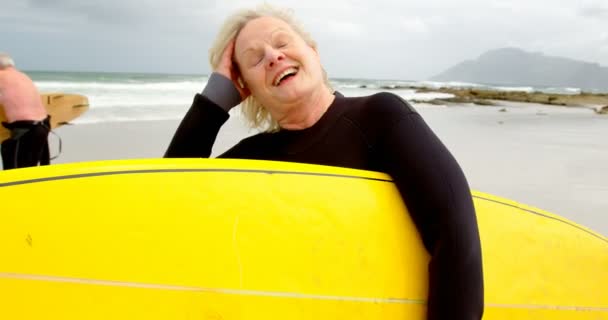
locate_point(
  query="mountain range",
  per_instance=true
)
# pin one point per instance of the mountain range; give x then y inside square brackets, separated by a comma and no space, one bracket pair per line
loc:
[516,67]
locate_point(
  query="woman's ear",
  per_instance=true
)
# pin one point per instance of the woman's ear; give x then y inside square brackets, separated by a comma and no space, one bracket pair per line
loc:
[236,73]
[241,82]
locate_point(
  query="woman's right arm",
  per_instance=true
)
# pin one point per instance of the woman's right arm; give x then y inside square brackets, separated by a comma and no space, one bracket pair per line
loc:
[198,130]
[196,133]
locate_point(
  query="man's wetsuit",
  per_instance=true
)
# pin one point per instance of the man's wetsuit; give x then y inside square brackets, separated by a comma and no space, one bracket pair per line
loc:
[28,145]
[383,133]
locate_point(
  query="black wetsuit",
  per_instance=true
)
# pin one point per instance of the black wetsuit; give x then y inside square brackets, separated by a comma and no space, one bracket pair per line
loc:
[28,145]
[382,133]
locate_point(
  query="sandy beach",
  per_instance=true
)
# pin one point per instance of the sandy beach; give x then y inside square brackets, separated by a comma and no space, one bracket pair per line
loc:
[553,158]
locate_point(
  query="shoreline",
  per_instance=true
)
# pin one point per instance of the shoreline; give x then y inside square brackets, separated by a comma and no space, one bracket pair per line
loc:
[598,102]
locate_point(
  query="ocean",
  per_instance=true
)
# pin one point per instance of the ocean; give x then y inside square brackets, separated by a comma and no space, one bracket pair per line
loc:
[117,97]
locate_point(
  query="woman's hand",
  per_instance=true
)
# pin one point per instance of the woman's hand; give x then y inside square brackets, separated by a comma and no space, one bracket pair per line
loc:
[230,70]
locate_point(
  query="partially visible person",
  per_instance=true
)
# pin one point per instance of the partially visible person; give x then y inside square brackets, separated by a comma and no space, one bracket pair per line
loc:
[26,117]
[263,60]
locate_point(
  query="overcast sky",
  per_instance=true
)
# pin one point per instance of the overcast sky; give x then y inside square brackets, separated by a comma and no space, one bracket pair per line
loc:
[381,39]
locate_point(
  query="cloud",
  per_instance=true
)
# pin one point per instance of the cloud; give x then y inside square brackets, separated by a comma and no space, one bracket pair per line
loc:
[414,25]
[384,38]
[124,13]
[595,11]
[345,29]
[108,11]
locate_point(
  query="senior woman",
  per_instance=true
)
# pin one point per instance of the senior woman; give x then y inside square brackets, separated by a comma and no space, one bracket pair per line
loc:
[263,59]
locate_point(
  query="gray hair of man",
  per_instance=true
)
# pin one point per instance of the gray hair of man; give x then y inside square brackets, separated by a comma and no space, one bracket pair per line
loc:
[254,112]
[6,61]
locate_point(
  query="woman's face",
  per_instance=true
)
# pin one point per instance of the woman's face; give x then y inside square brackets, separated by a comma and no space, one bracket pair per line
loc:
[275,62]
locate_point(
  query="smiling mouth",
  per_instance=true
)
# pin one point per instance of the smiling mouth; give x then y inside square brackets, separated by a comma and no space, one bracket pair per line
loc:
[288,73]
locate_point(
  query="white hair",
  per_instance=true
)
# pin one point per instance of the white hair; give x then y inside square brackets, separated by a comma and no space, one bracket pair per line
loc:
[6,61]
[254,112]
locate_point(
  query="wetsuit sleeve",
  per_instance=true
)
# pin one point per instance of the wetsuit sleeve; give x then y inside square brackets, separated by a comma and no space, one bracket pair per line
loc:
[439,201]
[198,130]
[222,92]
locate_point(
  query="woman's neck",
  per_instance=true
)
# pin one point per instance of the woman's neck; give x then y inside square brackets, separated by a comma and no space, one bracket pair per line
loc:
[307,114]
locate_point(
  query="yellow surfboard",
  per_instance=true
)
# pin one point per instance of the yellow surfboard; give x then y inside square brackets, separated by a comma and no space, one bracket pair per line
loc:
[239,239]
[62,108]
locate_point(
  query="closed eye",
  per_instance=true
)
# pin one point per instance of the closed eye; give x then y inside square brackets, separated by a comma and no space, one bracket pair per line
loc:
[255,60]
[281,39]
